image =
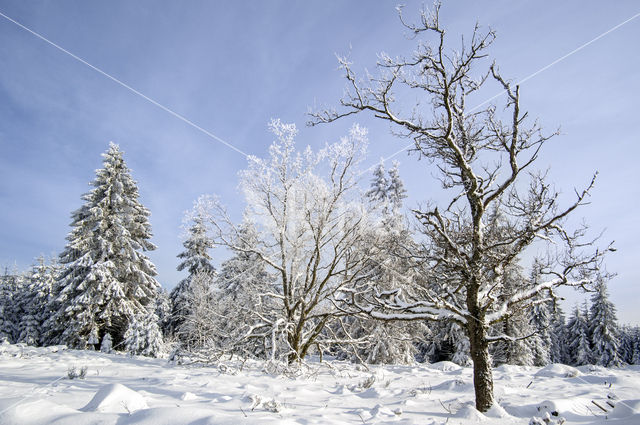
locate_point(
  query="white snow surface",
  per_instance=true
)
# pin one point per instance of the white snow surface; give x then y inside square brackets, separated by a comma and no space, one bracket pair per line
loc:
[117,389]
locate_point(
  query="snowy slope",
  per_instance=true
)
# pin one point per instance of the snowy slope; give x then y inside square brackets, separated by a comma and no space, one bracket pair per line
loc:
[35,389]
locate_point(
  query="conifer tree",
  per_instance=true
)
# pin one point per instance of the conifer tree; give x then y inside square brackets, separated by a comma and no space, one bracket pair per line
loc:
[578,346]
[635,358]
[195,258]
[625,350]
[107,279]
[33,301]
[382,341]
[107,344]
[8,325]
[241,286]
[558,352]
[541,317]
[143,336]
[603,329]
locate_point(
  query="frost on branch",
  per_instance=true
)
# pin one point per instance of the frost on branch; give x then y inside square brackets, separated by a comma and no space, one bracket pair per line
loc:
[307,216]
[500,206]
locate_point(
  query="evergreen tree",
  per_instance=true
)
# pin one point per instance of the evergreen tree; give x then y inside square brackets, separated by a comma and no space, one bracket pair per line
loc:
[635,358]
[578,346]
[379,185]
[541,317]
[517,347]
[388,240]
[198,329]
[195,258]
[143,336]
[240,287]
[541,343]
[8,313]
[625,350]
[448,343]
[33,301]
[558,352]
[603,329]
[395,190]
[107,280]
[107,344]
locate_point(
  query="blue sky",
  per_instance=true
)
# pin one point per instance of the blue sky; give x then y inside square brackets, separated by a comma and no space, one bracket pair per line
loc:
[232,66]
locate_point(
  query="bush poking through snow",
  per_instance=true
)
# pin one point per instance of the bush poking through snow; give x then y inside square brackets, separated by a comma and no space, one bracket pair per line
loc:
[270,405]
[73,373]
[547,420]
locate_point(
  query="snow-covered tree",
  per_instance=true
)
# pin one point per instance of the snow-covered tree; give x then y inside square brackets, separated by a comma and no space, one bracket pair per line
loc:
[541,315]
[385,245]
[33,301]
[578,346]
[107,280]
[483,159]
[12,300]
[635,358]
[558,351]
[308,214]
[448,342]
[603,329]
[378,190]
[143,336]
[516,347]
[198,328]
[163,311]
[195,258]
[242,301]
[107,344]
[627,343]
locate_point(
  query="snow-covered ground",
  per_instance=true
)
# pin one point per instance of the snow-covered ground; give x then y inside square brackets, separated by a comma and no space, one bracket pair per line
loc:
[35,388]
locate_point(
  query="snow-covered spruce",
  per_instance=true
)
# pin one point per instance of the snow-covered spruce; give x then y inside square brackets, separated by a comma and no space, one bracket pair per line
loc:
[195,258]
[603,329]
[578,346]
[107,280]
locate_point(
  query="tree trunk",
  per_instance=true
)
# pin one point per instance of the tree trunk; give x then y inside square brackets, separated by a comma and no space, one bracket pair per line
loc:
[482,374]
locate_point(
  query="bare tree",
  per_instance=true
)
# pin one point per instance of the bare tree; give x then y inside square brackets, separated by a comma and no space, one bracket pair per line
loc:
[483,156]
[308,216]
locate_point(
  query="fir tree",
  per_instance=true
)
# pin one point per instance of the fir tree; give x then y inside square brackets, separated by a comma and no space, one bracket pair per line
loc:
[558,352]
[625,350]
[10,286]
[107,280]
[379,185]
[541,317]
[635,358]
[195,258]
[395,190]
[143,336]
[377,341]
[240,287]
[578,346]
[33,301]
[603,329]
[107,344]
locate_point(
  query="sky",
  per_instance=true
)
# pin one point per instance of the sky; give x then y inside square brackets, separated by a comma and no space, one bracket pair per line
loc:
[230,67]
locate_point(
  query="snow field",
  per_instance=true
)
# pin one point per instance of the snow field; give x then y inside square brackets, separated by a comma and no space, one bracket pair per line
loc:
[35,389]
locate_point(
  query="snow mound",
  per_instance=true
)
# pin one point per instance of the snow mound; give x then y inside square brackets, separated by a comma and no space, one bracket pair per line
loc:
[470,413]
[20,412]
[497,411]
[626,409]
[558,371]
[445,366]
[454,385]
[116,398]
[188,396]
